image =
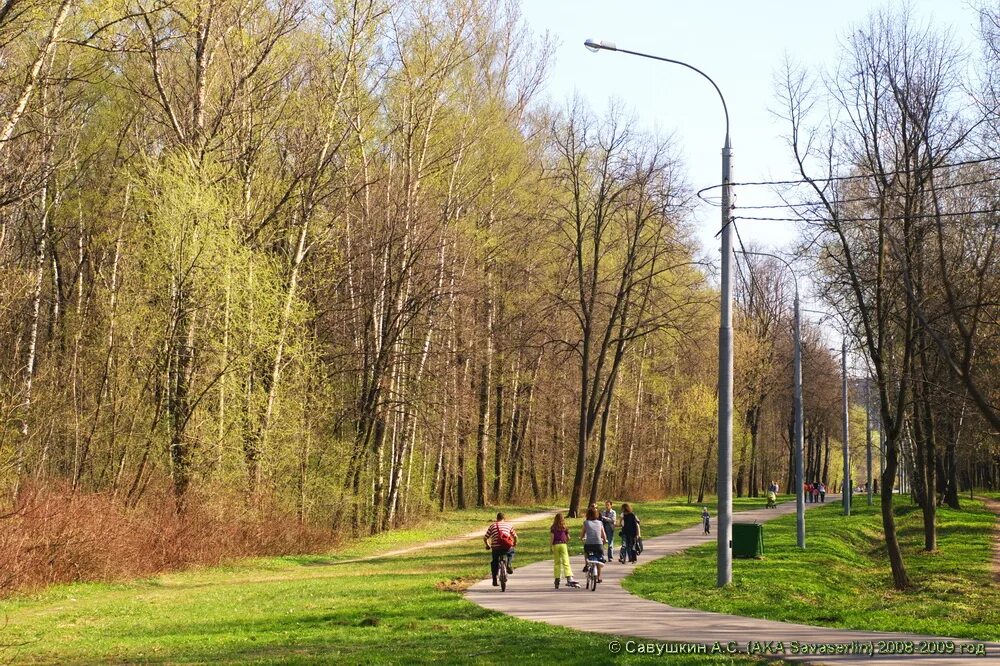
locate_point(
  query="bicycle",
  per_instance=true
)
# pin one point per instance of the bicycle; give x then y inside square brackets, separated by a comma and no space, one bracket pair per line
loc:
[502,571]
[502,574]
[591,569]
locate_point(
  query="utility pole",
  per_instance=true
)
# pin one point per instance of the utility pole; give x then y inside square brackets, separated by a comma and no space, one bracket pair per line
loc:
[724,529]
[846,486]
[868,434]
[724,477]
[797,434]
[800,499]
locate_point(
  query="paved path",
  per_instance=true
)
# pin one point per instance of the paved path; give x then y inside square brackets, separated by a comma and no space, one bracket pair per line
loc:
[530,595]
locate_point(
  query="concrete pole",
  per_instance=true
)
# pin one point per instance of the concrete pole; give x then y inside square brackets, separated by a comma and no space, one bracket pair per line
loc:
[724,531]
[881,454]
[868,435]
[800,501]
[846,483]
[724,488]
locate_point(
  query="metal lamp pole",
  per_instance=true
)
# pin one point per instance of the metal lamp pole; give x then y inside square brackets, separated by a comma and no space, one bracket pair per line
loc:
[800,501]
[848,487]
[724,528]
[868,434]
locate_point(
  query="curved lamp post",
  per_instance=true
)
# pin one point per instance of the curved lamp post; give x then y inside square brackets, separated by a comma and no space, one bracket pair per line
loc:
[847,484]
[800,502]
[724,528]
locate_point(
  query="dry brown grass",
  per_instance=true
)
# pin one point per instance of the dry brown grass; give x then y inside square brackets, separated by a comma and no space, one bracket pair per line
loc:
[57,536]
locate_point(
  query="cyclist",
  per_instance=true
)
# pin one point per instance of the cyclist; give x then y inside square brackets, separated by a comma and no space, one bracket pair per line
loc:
[500,538]
[594,539]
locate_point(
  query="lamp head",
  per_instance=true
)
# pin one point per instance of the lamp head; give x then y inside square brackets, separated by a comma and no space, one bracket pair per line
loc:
[594,45]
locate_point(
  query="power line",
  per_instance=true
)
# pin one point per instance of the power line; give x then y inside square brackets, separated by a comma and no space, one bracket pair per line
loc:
[805,181]
[807,204]
[868,219]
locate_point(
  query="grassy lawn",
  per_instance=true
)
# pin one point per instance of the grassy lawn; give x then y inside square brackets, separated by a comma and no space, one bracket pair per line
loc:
[312,609]
[843,578]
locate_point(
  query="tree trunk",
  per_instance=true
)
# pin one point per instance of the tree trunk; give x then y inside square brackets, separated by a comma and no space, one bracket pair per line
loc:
[498,444]
[900,579]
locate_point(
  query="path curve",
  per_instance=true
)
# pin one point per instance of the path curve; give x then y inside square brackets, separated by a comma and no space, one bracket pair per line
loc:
[450,541]
[530,596]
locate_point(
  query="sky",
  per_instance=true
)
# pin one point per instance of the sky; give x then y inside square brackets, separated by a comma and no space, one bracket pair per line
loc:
[742,45]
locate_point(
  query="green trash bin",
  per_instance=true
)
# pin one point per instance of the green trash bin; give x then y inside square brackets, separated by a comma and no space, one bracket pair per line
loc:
[748,540]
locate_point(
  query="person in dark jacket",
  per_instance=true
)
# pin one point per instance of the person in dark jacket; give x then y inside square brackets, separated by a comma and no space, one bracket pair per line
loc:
[631,532]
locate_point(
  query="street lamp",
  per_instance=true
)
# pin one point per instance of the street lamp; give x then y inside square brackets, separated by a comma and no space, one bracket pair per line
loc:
[848,490]
[846,485]
[724,536]
[800,501]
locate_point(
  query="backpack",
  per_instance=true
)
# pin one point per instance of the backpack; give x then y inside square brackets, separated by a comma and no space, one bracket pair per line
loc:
[505,539]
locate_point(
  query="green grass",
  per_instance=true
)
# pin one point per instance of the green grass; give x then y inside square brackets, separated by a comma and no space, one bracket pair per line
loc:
[310,609]
[843,578]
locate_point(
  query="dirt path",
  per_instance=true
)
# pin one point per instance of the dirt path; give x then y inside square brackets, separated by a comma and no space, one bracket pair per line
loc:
[531,596]
[477,534]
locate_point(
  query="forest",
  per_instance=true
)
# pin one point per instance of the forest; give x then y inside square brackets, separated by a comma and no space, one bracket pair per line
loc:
[333,265]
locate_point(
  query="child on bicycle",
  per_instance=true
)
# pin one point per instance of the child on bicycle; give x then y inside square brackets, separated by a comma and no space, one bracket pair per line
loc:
[560,551]
[594,539]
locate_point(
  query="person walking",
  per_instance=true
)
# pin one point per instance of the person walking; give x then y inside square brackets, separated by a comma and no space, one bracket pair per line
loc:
[815,492]
[610,518]
[706,519]
[822,492]
[630,533]
[560,552]
[594,539]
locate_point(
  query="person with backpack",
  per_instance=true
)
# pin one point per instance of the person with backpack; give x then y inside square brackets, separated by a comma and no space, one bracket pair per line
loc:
[630,532]
[560,551]
[609,518]
[500,538]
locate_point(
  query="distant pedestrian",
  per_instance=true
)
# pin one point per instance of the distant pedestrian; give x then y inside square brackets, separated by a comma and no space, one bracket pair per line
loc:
[560,551]
[630,533]
[822,492]
[807,489]
[815,492]
[610,518]
[771,497]
[706,519]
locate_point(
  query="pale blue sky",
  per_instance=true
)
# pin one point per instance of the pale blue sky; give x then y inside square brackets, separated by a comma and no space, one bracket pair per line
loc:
[740,44]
